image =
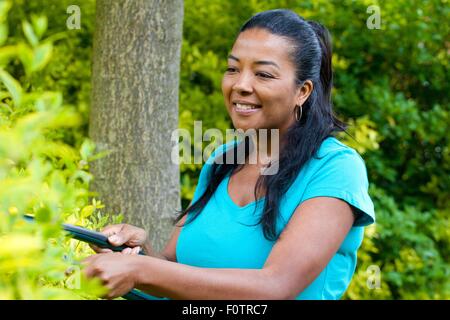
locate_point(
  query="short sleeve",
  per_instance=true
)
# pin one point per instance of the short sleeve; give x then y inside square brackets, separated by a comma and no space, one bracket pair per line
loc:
[342,174]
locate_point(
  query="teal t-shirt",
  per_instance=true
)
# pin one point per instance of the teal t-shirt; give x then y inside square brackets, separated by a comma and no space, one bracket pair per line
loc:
[225,235]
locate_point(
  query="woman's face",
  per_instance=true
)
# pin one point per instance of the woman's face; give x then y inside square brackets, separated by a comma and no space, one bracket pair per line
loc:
[259,84]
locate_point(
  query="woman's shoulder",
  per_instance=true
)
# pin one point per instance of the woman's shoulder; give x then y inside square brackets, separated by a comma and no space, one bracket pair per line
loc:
[338,171]
[335,165]
[331,146]
[333,151]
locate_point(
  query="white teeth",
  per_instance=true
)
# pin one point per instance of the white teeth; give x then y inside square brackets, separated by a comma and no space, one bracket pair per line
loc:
[245,106]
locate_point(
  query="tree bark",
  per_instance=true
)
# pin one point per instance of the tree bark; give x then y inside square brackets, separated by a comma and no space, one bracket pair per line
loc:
[136,61]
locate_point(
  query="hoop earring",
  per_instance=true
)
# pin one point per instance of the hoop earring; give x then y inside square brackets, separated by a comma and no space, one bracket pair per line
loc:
[296,111]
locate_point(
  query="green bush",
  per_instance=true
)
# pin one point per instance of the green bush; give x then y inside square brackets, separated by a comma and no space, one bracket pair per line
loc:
[40,174]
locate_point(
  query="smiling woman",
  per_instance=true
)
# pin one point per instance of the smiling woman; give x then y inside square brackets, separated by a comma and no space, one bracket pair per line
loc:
[290,235]
[261,74]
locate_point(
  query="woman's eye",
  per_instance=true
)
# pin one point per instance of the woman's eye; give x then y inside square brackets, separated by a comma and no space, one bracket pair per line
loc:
[264,75]
[230,69]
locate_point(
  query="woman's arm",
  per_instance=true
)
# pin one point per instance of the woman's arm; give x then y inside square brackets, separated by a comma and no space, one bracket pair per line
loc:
[169,252]
[311,238]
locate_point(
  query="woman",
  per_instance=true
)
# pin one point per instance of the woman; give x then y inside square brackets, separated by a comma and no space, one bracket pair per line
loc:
[289,235]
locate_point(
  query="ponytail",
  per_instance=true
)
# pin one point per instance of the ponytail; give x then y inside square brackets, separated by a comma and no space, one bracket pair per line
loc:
[326,71]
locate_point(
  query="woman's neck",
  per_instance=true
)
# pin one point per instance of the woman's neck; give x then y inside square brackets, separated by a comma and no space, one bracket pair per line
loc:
[266,147]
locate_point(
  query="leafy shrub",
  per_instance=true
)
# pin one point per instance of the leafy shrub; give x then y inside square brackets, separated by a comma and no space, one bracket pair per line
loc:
[42,175]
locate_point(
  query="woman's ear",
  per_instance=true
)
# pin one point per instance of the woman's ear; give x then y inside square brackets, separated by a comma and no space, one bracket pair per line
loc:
[304,92]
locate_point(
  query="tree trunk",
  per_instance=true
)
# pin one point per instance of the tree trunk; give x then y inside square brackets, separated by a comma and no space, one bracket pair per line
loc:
[136,61]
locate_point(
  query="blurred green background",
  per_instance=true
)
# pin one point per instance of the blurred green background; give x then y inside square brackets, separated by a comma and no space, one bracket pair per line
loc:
[391,85]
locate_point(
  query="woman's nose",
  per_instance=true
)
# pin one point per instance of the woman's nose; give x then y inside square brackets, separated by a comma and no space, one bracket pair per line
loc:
[243,84]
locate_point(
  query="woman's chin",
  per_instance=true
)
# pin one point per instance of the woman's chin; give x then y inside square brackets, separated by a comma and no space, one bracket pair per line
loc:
[244,126]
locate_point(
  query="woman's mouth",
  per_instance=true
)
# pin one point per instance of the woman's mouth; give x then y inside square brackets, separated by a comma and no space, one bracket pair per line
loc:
[245,109]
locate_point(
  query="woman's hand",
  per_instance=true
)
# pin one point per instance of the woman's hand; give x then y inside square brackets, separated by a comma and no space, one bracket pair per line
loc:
[125,234]
[116,271]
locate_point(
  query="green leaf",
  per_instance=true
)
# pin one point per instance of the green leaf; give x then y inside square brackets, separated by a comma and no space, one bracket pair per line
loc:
[57,182]
[25,56]
[87,211]
[41,56]
[3,33]
[4,8]
[12,85]
[39,24]
[64,119]
[48,100]
[29,33]
[7,53]
[87,149]
[43,214]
